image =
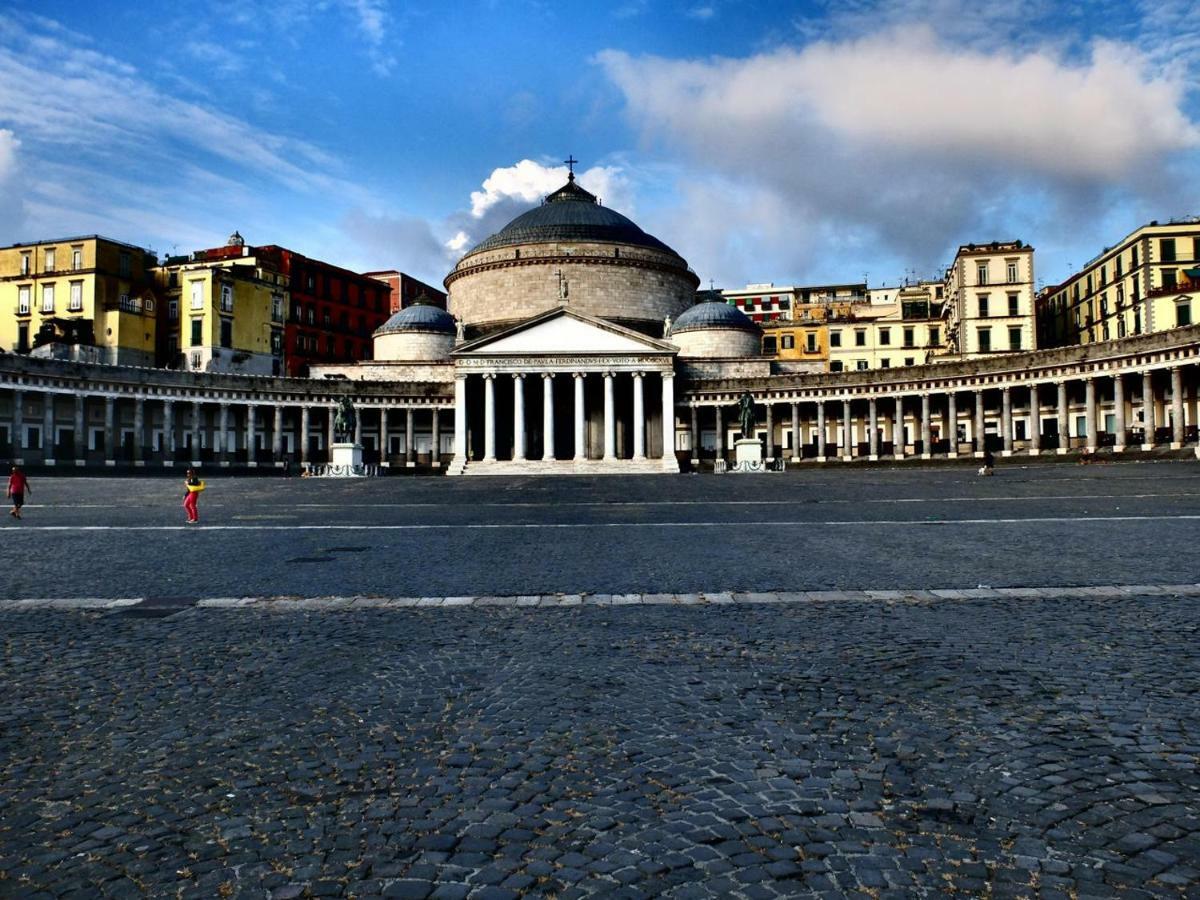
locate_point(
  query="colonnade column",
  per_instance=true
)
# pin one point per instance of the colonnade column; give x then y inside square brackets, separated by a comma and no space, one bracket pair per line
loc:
[168,431]
[847,433]
[1089,387]
[252,433]
[580,418]
[873,425]
[48,428]
[489,418]
[695,441]
[952,423]
[303,436]
[330,413]
[668,418]
[796,452]
[17,441]
[926,429]
[548,415]
[720,433]
[1064,426]
[609,421]
[460,417]
[980,426]
[1148,410]
[223,430]
[639,418]
[1176,407]
[80,435]
[1119,410]
[1006,422]
[139,430]
[770,431]
[898,429]
[435,438]
[277,435]
[1035,421]
[195,454]
[820,431]
[518,416]
[410,450]
[358,429]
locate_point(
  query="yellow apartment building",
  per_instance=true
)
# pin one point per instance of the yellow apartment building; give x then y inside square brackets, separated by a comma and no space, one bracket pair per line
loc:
[905,332]
[224,312]
[989,304]
[88,298]
[1149,281]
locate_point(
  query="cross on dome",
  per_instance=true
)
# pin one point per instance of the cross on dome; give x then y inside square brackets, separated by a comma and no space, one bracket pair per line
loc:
[571,162]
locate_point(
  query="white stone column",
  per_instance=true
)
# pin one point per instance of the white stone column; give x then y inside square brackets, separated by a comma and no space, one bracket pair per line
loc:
[609,418]
[720,432]
[18,426]
[796,443]
[252,433]
[1064,420]
[410,439]
[302,438]
[518,416]
[1148,409]
[80,431]
[898,447]
[580,417]
[139,431]
[460,417]
[770,448]
[358,427]
[223,430]
[1006,420]
[489,417]
[639,418]
[435,438]
[952,423]
[668,419]
[1035,421]
[168,432]
[1176,407]
[1089,388]
[873,425]
[48,429]
[548,415]
[1119,411]
[980,425]
[197,412]
[821,431]
[277,435]
[847,433]
[926,429]
[330,416]
[695,435]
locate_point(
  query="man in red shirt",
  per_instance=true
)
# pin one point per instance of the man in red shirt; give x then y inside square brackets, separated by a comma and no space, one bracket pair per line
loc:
[18,485]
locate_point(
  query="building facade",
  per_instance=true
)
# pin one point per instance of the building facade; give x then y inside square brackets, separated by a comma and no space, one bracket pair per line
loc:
[989,300]
[406,290]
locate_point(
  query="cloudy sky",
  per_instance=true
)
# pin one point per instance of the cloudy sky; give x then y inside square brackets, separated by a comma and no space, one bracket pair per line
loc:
[795,143]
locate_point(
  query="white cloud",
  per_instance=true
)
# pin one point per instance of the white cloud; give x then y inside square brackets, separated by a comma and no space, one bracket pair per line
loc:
[12,203]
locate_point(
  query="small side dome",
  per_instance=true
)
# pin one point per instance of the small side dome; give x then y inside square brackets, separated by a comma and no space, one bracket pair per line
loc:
[236,240]
[419,332]
[714,328]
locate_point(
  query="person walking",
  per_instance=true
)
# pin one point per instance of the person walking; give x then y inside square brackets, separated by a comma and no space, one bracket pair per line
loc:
[18,487]
[194,486]
[989,463]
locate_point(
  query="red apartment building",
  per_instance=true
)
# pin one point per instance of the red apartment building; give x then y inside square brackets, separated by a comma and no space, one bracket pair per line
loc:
[406,289]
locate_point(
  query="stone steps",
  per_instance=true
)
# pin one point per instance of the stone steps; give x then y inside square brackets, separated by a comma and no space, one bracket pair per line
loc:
[566,467]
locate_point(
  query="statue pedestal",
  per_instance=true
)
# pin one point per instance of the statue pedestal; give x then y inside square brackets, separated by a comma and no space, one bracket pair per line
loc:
[345,461]
[748,456]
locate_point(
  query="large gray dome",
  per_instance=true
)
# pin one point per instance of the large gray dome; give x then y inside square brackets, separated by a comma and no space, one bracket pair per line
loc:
[420,317]
[711,312]
[570,214]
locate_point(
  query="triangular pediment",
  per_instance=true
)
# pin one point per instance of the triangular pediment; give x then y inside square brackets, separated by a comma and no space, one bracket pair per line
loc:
[564,331]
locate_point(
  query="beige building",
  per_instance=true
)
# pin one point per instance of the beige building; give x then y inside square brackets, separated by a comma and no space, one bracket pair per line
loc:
[86,298]
[906,332]
[1149,281]
[989,301]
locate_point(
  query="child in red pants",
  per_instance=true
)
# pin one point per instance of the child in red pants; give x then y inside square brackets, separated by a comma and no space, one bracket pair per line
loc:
[194,486]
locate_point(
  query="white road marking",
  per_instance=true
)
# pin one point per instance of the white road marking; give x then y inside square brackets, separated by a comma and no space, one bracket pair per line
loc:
[484,526]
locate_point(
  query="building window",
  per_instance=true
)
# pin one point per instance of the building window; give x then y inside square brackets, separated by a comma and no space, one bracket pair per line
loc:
[983,306]
[1117,266]
[1196,249]
[860,337]
[76,258]
[1014,337]
[312,315]
[835,339]
[885,337]
[1168,279]
[935,337]
[22,337]
[1012,271]
[227,333]
[47,298]
[276,307]
[985,340]
[197,295]
[1120,296]
[908,360]
[24,263]
[768,345]
[1183,312]
[197,332]
[1121,326]
[910,339]
[76,304]
[981,273]
[810,342]
[860,365]
[123,264]
[835,365]
[1103,305]
[787,342]
[1014,305]
[23,300]
[49,259]
[276,343]
[885,363]
[226,298]
[1166,250]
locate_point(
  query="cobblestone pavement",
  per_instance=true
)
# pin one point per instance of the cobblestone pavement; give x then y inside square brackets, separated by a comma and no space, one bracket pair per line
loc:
[821,529]
[902,747]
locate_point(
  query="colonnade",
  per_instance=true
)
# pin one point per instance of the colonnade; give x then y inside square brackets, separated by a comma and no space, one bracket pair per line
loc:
[1127,410]
[143,430]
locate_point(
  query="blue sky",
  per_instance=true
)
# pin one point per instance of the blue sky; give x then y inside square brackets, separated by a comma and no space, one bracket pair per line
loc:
[794,143]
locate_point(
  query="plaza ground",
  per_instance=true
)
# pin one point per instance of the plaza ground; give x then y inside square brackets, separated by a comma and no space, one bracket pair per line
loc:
[1021,744]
